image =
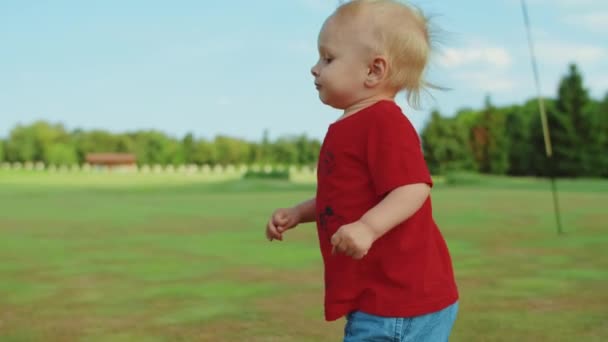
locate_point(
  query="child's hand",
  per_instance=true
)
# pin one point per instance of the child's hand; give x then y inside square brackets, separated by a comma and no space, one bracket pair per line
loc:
[353,239]
[280,221]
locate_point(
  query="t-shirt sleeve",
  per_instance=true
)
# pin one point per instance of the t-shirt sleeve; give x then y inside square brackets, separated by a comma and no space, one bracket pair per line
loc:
[394,153]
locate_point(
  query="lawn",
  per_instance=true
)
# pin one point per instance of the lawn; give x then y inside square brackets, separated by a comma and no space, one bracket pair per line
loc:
[119,257]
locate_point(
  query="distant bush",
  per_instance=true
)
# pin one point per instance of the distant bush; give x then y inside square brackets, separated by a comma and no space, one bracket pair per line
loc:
[274,174]
[463,178]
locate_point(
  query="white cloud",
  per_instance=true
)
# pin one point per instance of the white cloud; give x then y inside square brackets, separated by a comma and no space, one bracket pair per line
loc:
[593,21]
[587,14]
[479,65]
[562,53]
[486,81]
[487,55]
[576,3]
[567,3]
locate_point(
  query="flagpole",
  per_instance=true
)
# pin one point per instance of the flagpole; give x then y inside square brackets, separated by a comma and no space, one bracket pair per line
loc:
[543,116]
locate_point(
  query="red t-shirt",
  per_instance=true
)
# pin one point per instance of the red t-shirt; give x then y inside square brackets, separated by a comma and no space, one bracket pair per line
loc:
[408,271]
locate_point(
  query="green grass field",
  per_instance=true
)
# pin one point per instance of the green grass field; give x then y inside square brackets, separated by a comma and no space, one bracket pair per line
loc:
[119,257]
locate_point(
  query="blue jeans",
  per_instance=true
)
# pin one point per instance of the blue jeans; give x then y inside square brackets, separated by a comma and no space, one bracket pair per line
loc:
[433,327]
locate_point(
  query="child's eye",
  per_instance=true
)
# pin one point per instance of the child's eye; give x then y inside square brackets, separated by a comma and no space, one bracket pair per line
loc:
[328,60]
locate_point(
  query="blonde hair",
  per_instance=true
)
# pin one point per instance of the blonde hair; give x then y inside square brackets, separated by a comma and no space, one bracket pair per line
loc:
[401,33]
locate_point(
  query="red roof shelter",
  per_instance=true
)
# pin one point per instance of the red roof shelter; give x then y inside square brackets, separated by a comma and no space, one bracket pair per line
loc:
[111,159]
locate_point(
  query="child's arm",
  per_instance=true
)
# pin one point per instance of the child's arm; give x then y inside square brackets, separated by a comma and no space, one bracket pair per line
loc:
[307,210]
[355,239]
[399,205]
[287,218]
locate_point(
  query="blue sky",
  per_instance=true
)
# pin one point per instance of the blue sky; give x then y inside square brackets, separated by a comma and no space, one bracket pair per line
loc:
[239,67]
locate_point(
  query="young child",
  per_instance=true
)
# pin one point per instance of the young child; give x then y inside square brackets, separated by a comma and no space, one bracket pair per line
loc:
[387,266]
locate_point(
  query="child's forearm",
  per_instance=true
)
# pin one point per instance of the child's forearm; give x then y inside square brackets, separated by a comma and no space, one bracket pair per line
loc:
[307,210]
[399,205]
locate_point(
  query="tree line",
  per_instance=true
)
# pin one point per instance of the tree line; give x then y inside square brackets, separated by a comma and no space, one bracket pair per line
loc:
[493,140]
[53,144]
[509,140]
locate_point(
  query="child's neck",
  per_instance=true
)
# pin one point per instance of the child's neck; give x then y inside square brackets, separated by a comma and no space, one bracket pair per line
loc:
[360,105]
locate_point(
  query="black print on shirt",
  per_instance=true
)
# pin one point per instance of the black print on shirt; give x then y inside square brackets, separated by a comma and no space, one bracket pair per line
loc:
[324,216]
[327,218]
[328,163]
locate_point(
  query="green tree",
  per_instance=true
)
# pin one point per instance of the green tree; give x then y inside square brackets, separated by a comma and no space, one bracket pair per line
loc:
[568,128]
[154,147]
[561,131]
[231,150]
[124,144]
[574,137]
[61,154]
[188,147]
[174,153]
[444,142]
[2,142]
[255,153]
[598,151]
[265,149]
[30,143]
[204,152]
[467,119]
[285,151]
[307,150]
[488,141]
[517,125]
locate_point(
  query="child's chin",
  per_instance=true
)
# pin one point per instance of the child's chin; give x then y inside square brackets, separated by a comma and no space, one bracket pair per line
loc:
[328,101]
[324,100]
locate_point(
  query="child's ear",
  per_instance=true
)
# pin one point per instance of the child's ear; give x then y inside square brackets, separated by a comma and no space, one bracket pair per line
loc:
[377,71]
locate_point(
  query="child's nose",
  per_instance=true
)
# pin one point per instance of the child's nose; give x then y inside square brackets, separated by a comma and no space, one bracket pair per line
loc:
[314,71]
